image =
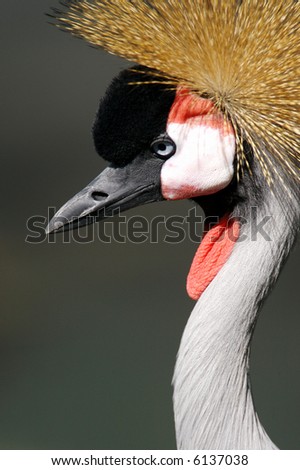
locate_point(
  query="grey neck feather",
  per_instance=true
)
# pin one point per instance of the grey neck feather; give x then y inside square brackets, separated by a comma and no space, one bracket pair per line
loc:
[212,398]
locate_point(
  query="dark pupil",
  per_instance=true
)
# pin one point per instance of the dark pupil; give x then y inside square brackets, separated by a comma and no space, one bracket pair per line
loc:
[162,147]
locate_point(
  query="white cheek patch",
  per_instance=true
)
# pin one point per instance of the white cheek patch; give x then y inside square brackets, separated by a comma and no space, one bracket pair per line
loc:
[203,162]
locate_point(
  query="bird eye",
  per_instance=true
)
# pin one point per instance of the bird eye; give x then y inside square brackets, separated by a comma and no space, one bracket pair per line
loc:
[163,147]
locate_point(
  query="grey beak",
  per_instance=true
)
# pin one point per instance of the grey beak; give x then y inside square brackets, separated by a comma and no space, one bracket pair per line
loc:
[115,189]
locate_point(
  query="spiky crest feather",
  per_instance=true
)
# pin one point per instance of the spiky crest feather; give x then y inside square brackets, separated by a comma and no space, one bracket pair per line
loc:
[242,54]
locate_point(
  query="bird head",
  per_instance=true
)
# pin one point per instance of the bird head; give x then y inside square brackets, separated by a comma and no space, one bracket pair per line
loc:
[211,78]
[161,144]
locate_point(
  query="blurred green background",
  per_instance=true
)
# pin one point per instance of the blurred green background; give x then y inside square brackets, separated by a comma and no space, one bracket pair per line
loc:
[89,333]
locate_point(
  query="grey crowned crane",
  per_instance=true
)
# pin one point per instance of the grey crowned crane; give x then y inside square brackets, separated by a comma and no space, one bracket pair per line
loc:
[211,114]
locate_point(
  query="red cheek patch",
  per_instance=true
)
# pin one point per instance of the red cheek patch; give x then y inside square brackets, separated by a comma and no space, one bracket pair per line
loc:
[213,252]
[187,106]
[194,110]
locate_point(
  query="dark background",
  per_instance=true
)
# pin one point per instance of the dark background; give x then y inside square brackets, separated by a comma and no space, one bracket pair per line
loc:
[89,332]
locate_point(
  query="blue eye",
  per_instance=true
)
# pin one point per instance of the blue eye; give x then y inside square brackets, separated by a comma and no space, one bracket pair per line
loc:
[163,147]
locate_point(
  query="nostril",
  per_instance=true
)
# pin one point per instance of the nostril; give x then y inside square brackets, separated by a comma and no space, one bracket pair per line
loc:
[99,195]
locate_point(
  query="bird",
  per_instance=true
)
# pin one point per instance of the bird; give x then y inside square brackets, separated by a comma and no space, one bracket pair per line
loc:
[208,111]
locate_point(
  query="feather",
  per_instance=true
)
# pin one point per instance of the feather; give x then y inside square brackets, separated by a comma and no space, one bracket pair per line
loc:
[244,55]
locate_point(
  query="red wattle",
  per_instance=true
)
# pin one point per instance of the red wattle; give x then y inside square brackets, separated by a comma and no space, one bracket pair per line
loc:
[213,252]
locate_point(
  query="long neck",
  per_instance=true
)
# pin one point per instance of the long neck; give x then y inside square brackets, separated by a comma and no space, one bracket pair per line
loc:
[212,398]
